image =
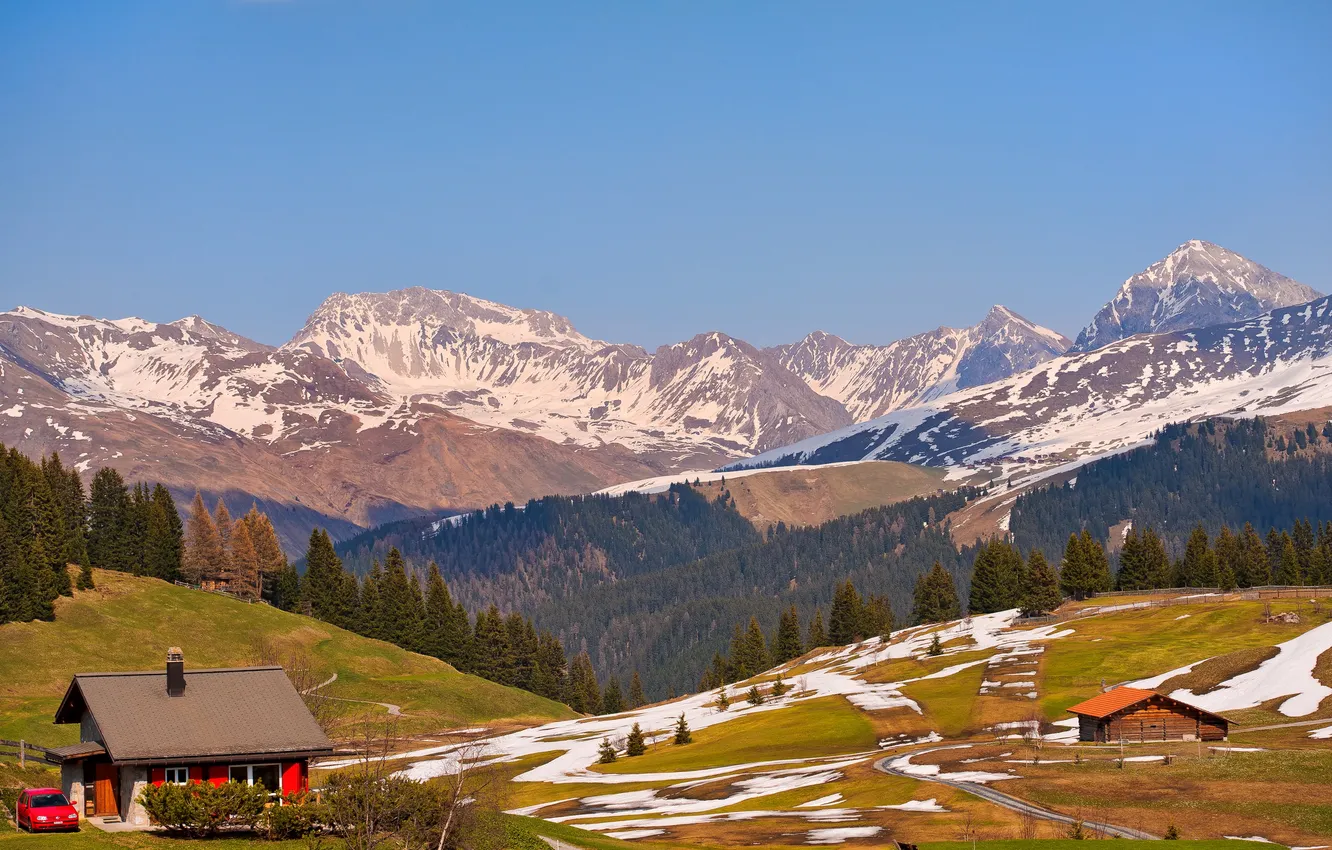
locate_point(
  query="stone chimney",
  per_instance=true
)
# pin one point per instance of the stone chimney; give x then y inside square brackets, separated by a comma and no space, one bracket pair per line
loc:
[175,672]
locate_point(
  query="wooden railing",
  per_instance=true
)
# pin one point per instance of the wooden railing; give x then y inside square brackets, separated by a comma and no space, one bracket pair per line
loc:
[25,751]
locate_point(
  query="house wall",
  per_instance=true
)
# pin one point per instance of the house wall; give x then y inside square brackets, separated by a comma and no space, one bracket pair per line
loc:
[295,774]
[1159,719]
[71,782]
[133,779]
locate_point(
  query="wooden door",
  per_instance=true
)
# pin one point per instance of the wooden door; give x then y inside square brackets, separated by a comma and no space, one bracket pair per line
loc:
[104,790]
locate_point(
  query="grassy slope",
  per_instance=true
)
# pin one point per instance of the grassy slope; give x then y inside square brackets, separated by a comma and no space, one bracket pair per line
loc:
[815,495]
[127,623]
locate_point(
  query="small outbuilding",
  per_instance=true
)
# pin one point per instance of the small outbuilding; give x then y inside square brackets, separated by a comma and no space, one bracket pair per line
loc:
[243,724]
[1134,715]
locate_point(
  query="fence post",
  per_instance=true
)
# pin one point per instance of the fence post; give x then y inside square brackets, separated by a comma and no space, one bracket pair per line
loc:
[21,757]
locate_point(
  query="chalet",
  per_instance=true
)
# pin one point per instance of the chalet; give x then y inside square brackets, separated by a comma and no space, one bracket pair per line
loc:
[245,724]
[1137,716]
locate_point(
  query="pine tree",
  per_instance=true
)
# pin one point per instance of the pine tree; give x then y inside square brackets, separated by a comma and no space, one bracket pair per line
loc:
[756,649]
[723,701]
[493,657]
[67,488]
[1134,573]
[108,519]
[636,697]
[1289,572]
[878,615]
[202,555]
[1198,566]
[845,620]
[935,597]
[401,610]
[162,543]
[787,645]
[817,636]
[1075,572]
[1227,560]
[936,648]
[682,734]
[606,752]
[778,687]
[1157,559]
[369,609]
[327,590]
[1098,565]
[1041,593]
[584,693]
[635,744]
[612,699]
[995,578]
[438,615]
[754,697]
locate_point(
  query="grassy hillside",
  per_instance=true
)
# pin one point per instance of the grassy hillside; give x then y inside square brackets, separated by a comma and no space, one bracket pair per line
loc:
[127,623]
[814,495]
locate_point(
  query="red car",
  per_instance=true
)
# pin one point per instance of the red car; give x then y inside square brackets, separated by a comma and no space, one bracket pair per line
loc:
[45,808]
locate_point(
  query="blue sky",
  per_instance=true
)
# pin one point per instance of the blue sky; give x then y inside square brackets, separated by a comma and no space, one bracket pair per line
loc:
[653,170]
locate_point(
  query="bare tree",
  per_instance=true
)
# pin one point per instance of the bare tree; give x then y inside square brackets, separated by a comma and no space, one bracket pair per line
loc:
[306,675]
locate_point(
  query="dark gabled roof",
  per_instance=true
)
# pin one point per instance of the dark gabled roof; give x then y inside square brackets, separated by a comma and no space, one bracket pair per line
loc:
[1118,699]
[74,752]
[242,711]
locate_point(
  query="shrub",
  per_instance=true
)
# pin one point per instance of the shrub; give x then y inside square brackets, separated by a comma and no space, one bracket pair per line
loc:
[298,816]
[202,808]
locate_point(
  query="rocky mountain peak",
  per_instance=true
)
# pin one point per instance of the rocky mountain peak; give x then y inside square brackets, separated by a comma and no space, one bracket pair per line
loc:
[1196,285]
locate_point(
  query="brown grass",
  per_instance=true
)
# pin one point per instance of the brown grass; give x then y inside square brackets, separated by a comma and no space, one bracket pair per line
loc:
[815,495]
[1213,672]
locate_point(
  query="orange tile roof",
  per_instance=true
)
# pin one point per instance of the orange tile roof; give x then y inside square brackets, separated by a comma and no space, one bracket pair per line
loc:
[1106,704]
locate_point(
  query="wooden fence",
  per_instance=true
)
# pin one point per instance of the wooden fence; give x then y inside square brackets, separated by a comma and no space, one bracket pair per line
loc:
[25,751]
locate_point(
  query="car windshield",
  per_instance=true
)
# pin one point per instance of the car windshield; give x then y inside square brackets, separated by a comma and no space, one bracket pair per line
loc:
[44,801]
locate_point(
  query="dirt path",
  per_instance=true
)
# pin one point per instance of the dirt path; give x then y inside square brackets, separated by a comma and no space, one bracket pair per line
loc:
[1021,806]
[393,710]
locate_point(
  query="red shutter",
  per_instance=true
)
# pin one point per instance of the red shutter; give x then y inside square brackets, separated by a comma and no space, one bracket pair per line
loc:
[293,776]
[158,776]
[217,774]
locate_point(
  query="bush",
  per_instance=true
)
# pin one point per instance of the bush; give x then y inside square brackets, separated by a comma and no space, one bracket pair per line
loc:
[298,816]
[202,808]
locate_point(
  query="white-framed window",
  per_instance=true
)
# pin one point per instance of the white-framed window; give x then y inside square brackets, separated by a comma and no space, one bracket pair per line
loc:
[178,776]
[268,775]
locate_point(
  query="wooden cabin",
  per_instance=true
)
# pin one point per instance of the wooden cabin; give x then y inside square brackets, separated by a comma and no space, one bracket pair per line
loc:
[1136,716]
[241,725]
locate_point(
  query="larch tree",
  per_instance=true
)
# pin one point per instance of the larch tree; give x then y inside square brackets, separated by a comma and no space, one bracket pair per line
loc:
[202,557]
[246,580]
[223,522]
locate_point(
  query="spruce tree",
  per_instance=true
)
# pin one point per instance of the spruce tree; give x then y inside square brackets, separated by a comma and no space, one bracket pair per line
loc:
[787,645]
[328,591]
[108,522]
[438,614]
[878,616]
[756,649]
[722,701]
[935,597]
[1157,559]
[992,580]
[817,637]
[606,752]
[1098,565]
[1134,573]
[637,699]
[846,617]
[682,734]
[162,536]
[635,743]
[1198,566]
[369,617]
[1228,560]
[1075,572]
[754,697]
[1041,594]
[1255,570]
[612,699]
[1288,573]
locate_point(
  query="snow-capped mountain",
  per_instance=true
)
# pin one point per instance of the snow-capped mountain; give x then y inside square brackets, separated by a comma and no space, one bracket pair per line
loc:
[871,380]
[1084,404]
[709,398]
[1196,285]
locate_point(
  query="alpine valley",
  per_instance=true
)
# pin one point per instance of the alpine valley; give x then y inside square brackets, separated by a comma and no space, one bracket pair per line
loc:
[421,402]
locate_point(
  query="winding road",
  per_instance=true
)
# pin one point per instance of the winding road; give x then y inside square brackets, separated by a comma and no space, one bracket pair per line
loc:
[1021,806]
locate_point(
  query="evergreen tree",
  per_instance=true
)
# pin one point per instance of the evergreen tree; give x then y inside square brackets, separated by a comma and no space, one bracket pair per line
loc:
[754,697]
[723,700]
[493,657]
[1134,570]
[682,734]
[286,592]
[612,699]
[327,591]
[1098,565]
[936,648]
[636,697]
[606,752]
[584,694]
[878,615]
[1041,593]
[438,619]
[996,578]
[202,554]
[787,645]
[1076,577]
[635,743]
[368,615]
[67,489]
[1198,566]
[163,533]
[1157,559]
[846,618]
[1289,571]
[817,636]
[108,522]
[136,528]
[401,611]
[935,597]
[1227,560]
[756,649]
[778,687]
